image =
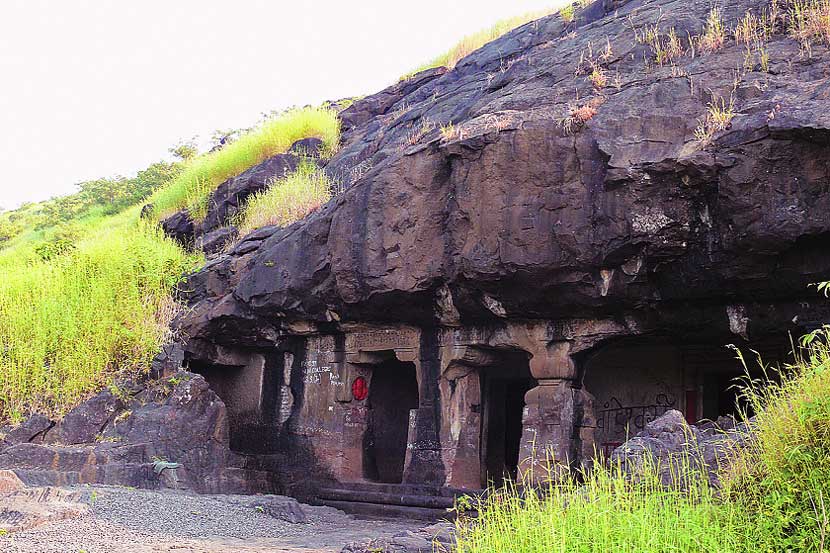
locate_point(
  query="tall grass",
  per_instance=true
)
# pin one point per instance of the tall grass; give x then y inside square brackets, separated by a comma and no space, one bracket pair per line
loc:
[607,512]
[287,199]
[192,188]
[100,306]
[473,42]
[784,478]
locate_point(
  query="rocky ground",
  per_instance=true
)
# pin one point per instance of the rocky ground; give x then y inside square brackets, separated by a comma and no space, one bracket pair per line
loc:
[123,519]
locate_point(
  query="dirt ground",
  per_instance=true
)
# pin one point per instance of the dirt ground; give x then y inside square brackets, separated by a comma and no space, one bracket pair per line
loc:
[145,521]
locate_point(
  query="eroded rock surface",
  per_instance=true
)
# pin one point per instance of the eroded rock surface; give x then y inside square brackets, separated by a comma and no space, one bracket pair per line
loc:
[513,219]
[511,216]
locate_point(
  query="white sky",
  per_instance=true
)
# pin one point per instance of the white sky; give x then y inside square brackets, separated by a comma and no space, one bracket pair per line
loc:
[98,88]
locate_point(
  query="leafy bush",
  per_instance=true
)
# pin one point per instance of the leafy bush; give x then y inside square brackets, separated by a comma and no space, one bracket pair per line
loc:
[192,188]
[287,199]
[61,240]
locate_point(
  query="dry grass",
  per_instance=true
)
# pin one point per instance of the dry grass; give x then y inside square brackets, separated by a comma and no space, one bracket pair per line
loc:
[809,22]
[578,117]
[714,33]
[718,118]
[424,126]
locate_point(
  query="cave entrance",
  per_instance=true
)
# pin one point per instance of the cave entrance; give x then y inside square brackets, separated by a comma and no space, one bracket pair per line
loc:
[247,388]
[503,392]
[392,394]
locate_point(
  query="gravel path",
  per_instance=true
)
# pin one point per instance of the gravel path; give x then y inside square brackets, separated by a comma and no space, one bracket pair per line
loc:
[139,521]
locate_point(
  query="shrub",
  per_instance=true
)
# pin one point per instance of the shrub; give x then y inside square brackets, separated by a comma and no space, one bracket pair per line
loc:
[192,188]
[783,480]
[287,199]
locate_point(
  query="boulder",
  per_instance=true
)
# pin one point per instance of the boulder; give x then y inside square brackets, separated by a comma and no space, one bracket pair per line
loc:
[179,227]
[307,147]
[215,241]
[283,508]
[122,440]
[673,446]
[21,509]
[30,430]
[84,423]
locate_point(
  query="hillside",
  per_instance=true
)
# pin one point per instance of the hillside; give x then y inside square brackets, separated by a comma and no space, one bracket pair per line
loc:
[504,283]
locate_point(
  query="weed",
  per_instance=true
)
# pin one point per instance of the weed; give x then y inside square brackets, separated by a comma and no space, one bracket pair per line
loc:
[598,78]
[578,117]
[450,131]
[424,127]
[718,117]
[568,13]
[809,22]
[714,33]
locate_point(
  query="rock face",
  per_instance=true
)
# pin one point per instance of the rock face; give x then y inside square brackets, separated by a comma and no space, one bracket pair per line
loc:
[541,259]
[135,436]
[22,508]
[497,262]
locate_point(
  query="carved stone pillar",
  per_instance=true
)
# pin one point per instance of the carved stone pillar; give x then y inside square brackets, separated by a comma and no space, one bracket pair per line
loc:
[553,415]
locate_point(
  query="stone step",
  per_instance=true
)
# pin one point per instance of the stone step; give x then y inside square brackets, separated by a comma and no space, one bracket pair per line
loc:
[365,496]
[378,500]
[386,511]
[403,489]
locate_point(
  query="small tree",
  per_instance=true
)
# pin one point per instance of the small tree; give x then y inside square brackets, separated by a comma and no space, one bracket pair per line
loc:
[185,150]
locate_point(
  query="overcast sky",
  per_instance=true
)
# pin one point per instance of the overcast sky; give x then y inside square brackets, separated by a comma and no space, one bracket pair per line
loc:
[90,89]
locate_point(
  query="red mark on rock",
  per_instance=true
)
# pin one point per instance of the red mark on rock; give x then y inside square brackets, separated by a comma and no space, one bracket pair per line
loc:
[360,390]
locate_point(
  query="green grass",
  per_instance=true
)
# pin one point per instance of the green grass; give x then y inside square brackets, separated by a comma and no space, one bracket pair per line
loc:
[774,496]
[97,308]
[784,479]
[287,199]
[192,188]
[607,513]
[473,42]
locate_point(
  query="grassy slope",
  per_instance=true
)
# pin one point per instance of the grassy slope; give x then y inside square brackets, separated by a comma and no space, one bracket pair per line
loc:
[91,298]
[473,42]
[69,322]
[192,188]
